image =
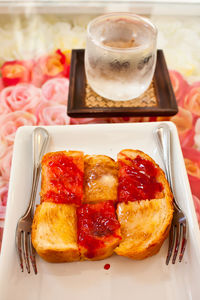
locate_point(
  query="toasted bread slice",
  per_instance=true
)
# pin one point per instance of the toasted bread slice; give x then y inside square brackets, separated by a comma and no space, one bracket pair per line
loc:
[140,177]
[144,223]
[98,230]
[54,232]
[100,178]
[62,177]
[144,226]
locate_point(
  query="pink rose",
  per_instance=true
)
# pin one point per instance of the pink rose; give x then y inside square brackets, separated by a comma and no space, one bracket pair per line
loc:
[184,123]
[51,113]
[56,90]
[3,109]
[192,100]
[3,197]
[192,163]
[11,122]
[180,86]
[3,148]
[5,163]
[23,96]
[197,207]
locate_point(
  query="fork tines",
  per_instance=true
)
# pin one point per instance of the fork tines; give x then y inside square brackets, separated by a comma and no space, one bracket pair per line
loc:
[176,235]
[25,250]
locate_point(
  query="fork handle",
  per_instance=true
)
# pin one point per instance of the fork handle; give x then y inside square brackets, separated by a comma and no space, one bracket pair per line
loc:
[40,138]
[163,137]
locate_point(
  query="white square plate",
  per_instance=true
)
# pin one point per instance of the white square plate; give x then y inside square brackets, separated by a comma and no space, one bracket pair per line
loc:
[126,278]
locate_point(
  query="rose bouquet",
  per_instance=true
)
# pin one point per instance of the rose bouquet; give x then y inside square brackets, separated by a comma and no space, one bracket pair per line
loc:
[35,92]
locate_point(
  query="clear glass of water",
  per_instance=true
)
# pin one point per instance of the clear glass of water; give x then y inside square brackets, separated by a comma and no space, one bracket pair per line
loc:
[120,55]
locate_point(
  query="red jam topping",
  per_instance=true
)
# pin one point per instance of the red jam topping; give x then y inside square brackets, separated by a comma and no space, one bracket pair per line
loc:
[96,223]
[107,266]
[65,179]
[137,180]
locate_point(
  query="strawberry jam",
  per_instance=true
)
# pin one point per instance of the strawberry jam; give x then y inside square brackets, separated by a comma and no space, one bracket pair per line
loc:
[96,224]
[137,180]
[107,266]
[65,179]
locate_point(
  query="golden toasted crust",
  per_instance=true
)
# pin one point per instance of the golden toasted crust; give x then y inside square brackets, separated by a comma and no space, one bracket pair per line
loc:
[56,184]
[144,224]
[100,178]
[54,232]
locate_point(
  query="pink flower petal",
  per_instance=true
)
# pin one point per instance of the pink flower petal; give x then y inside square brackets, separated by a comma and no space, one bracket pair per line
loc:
[5,163]
[23,96]
[3,197]
[56,90]
[11,122]
[192,100]
[51,113]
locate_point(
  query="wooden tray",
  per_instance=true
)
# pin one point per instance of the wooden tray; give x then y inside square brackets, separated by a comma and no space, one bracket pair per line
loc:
[158,100]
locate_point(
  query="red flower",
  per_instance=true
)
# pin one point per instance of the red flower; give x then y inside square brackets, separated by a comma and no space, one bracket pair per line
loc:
[184,121]
[194,184]
[192,163]
[192,99]
[14,72]
[51,66]
[180,86]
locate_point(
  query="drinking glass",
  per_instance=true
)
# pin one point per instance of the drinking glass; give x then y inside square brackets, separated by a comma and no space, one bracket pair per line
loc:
[120,55]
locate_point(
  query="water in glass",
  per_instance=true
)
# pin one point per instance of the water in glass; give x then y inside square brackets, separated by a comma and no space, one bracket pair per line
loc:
[120,55]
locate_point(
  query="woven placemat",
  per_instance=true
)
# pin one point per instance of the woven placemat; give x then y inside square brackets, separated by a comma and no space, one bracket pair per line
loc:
[147,99]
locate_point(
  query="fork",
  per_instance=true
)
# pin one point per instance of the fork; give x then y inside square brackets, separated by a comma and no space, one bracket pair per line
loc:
[24,245]
[178,231]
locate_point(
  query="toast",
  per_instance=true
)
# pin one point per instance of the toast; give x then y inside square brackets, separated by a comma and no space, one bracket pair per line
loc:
[98,230]
[144,223]
[77,218]
[62,177]
[54,232]
[140,177]
[144,227]
[100,178]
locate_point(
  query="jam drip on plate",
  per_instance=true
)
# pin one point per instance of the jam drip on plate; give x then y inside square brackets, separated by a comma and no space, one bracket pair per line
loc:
[138,180]
[65,179]
[97,223]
